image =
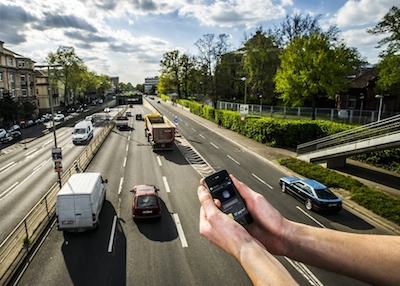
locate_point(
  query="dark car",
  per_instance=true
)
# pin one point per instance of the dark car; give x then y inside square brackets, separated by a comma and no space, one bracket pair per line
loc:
[10,136]
[315,195]
[145,202]
[139,116]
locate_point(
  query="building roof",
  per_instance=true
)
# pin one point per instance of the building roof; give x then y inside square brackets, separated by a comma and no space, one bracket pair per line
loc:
[363,78]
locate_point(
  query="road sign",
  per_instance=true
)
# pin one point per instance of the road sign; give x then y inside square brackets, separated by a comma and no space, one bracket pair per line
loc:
[244,109]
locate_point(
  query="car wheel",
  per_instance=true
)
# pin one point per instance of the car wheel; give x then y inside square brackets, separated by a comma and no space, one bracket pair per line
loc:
[283,187]
[308,204]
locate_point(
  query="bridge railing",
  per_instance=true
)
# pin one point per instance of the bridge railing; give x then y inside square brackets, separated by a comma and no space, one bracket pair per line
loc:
[375,129]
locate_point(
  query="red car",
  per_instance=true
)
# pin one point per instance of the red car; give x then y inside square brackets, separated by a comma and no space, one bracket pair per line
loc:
[145,202]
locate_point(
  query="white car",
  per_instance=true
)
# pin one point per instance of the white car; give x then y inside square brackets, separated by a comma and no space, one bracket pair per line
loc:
[59,117]
[3,133]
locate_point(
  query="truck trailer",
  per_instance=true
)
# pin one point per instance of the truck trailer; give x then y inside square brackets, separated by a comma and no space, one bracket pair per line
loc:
[160,131]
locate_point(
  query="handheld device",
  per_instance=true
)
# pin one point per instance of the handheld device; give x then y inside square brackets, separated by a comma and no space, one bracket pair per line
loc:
[222,188]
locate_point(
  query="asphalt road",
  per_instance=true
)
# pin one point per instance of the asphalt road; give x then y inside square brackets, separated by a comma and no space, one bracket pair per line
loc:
[171,251]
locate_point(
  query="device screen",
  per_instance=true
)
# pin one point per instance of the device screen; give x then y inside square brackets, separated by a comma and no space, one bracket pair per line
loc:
[222,188]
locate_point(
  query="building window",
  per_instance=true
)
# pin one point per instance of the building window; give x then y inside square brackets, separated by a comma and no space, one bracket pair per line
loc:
[11,77]
[352,103]
[10,62]
[21,63]
[24,94]
[1,92]
[1,76]
[13,93]
[23,79]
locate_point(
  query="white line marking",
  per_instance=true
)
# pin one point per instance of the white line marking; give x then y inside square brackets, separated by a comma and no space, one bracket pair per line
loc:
[48,142]
[127,147]
[193,129]
[120,185]
[313,219]
[40,165]
[180,230]
[27,154]
[233,160]
[303,270]
[8,191]
[111,242]
[214,145]
[159,161]
[262,181]
[202,136]
[186,124]
[124,162]
[166,184]
[7,167]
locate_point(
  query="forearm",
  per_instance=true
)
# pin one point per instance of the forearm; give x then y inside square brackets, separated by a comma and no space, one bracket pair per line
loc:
[370,258]
[262,267]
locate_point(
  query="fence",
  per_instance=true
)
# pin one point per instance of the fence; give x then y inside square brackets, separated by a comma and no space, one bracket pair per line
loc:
[351,116]
[16,247]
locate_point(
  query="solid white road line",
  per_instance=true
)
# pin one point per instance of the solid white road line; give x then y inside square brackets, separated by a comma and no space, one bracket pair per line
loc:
[303,270]
[166,184]
[313,219]
[124,162]
[159,161]
[202,136]
[7,167]
[181,234]
[111,242]
[262,181]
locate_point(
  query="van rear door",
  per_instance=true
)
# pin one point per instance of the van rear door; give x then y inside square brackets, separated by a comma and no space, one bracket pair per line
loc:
[83,211]
[66,212]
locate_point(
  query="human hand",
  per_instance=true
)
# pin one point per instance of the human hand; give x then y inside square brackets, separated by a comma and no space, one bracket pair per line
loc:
[219,228]
[269,226]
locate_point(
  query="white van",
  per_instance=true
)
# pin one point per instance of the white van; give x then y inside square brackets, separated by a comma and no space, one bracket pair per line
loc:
[80,201]
[83,132]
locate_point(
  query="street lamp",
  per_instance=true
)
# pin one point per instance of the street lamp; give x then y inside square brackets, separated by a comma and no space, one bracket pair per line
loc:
[361,108]
[380,105]
[260,96]
[245,88]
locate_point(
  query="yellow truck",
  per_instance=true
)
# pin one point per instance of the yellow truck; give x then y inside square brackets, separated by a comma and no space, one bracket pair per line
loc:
[160,131]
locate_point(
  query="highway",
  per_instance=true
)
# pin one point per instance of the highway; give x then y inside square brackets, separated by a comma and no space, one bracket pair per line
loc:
[169,251]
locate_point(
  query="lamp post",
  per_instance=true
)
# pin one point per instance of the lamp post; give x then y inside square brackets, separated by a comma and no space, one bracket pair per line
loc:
[361,108]
[260,96]
[380,105]
[52,108]
[245,88]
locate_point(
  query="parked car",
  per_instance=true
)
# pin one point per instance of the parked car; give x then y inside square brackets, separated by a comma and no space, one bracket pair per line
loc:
[15,127]
[79,110]
[139,116]
[107,110]
[29,123]
[59,117]
[145,202]
[10,136]
[128,113]
[3,133]
[315,195]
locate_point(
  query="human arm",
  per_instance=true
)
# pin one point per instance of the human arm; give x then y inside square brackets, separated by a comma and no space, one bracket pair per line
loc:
[370,258]
[261,266]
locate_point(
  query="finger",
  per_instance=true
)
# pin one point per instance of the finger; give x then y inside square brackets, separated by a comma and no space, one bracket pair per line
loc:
[206,200]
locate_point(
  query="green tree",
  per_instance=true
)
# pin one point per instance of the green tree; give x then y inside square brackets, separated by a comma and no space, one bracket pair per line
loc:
[8,108]
[312,68]
[390,24]
[26,109]
[389,74]
[70,65]
[260,64]
[171,71]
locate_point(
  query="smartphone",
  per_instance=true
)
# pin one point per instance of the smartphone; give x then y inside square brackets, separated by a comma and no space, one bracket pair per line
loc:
[222,188]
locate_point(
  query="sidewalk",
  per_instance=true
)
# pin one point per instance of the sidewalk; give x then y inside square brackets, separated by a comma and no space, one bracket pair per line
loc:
[373,177]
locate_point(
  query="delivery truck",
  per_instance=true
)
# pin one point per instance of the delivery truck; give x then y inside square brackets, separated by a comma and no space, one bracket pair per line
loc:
[160,131]
[79,202]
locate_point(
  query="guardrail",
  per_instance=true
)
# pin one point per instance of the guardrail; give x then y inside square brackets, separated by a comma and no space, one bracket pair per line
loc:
[18,245]
[376,129]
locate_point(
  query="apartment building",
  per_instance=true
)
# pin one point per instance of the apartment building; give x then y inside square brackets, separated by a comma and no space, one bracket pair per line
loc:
[17,75]
[150,84]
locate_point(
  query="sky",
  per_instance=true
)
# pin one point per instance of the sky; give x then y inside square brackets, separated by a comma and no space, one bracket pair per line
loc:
[127,38]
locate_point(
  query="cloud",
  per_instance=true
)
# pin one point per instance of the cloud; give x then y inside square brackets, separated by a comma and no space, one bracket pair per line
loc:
[88,37]
[64,21]
[363,12]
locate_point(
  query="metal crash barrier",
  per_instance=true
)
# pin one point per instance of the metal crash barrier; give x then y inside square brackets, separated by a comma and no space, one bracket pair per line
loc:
[18,245]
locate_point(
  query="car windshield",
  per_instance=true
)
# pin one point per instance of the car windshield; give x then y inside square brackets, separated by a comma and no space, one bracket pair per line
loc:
[80,131]
[325,194]
[146,201]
